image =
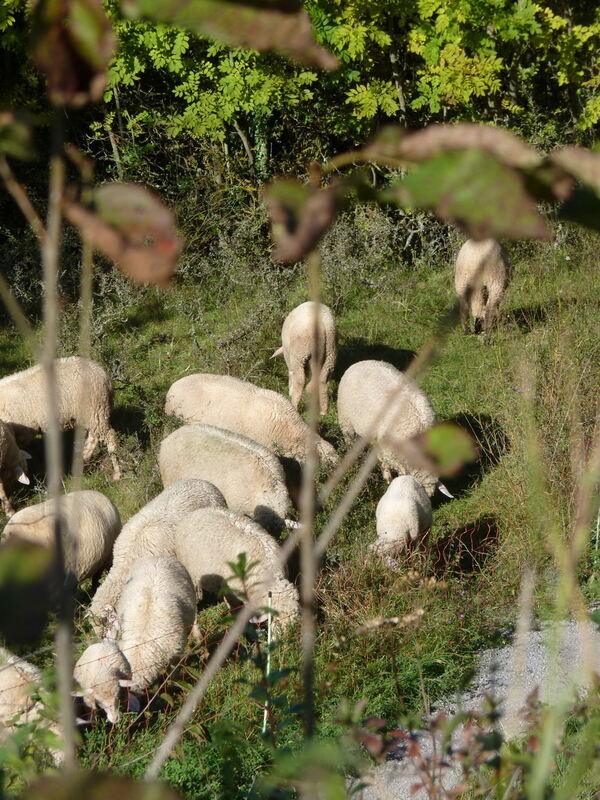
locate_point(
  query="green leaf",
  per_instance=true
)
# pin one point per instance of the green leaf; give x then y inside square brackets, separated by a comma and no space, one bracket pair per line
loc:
[449,446]
[473,190]
[15,135]
[27,580]
[96,786]
[282,26]
[595,617]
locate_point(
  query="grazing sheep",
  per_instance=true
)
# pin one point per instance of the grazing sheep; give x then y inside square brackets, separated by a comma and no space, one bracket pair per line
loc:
[239,406]
[149,532]
[365,390]
[206,540]
[297,348]
[156,612]
[100,672]
[13,465]
[19,682]
[250,477]
[84,398]
[91,525]
[481,277]
[402,514]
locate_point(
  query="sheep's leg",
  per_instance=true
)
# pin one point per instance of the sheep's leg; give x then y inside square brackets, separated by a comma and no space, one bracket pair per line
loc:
[464,314]
[386,472]
[89,446]
[489,320]
[195,632]
[111,445]
[6,506]
[323,396]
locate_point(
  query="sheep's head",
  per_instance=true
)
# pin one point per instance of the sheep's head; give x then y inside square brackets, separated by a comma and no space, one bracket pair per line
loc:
[327,453]
[286,602]
[101,671]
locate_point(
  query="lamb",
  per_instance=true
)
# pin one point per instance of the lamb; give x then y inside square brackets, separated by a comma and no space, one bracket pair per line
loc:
[84,398]
[297,348]
[250,477]
[365,390]
[206,540]
[156,612]
[100,672]
[403,513]
[260,414]
[481,277]
[91,525]
[13,464]
[149,532]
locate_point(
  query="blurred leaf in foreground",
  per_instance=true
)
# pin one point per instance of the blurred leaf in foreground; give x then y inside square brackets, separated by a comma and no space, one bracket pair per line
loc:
[450,447]
[582,164]
[15,135]
[475,191]
[96,786]
[133,227]
[300,215]
[281,25]
[28,578]
[72,43]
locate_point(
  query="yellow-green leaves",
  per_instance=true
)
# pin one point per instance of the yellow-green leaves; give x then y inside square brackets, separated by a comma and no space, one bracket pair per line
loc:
[280,25]
[72,44]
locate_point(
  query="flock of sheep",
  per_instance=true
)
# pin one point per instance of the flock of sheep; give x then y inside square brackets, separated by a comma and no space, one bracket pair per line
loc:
[230,475]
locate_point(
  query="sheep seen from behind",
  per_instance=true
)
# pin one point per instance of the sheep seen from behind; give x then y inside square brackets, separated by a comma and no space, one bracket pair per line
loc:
[481,276]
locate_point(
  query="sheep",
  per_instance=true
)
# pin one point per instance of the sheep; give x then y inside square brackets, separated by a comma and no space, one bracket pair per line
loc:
[481,277]
[250,477]
[402,514]
[149,532]
[84,398]
[260,414]
[156,612]
[365,389]
[90,526]
[13,465]
[100,672]
[19,683]
[297,349]
[206,540]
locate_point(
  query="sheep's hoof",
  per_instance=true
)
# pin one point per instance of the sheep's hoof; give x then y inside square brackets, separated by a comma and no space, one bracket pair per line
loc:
[117,475]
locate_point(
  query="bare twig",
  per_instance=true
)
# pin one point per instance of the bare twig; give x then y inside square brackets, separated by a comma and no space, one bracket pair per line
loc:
[246,144]
[21,198]
[18,315]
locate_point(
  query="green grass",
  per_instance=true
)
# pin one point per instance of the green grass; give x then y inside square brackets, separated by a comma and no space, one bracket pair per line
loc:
[224,315]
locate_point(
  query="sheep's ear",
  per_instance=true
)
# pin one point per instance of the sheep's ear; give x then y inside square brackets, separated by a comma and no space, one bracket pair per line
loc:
[21,477]
[125,683]
[25,454]
[76,694]
[444,490]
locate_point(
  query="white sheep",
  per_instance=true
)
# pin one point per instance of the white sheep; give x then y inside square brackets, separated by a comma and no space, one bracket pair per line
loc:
[365,389]
[297,348]
[149,532]
[250,477]
[402,514]
[20,681]
[481,277]
[156,612]
[90,526]
[13,465]
[240,406]
[206,540]
[84,398]
[100,672]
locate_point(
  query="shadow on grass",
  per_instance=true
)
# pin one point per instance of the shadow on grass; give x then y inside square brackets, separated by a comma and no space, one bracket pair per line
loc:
[528,317]
[464,550]
[131,420]
[492,443]
[360,349]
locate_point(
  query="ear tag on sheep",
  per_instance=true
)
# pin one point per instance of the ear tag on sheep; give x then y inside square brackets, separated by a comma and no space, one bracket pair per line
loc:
[125,683]
[21,477]
[25,454]
[444,490]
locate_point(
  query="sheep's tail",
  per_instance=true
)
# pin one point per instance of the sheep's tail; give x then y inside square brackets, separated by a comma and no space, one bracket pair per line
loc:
[277,352]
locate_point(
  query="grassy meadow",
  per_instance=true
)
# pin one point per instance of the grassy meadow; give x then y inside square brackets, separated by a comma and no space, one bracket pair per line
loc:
[538,379]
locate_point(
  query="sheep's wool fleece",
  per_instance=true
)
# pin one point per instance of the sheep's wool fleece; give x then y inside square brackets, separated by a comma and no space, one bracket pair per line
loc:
[91,525]
[235,405]
[478,265]
[250,477]
[156,612]
[403,513]
[207,540]
[18,681]
[84,396]
[150,532]
[98,672]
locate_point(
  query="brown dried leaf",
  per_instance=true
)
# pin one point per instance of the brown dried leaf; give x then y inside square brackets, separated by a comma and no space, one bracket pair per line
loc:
[299,216]
[395,142]
[282,26]
[373,742]
[582,164]
[131,226]
[72,43]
